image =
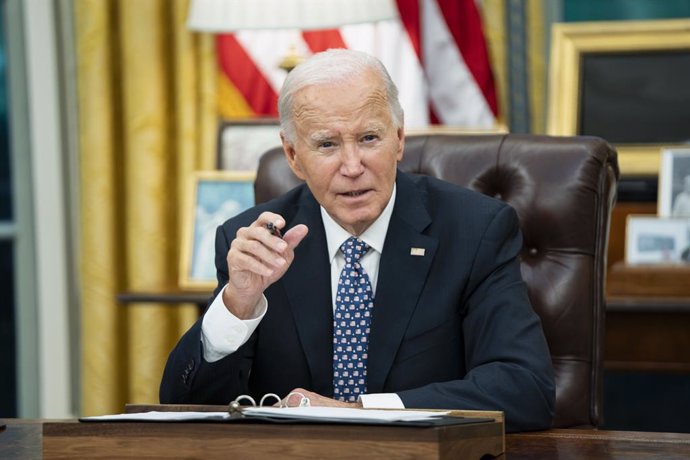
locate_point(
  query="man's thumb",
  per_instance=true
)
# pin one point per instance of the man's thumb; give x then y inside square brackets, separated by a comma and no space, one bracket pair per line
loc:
[295,235]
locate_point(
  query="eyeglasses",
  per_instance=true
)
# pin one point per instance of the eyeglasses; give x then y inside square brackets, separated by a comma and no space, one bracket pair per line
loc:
[293,399]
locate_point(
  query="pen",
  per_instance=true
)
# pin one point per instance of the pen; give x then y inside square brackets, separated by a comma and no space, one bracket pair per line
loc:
[273,229]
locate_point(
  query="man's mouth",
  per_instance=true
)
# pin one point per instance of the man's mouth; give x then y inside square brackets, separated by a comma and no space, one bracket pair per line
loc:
[355,193]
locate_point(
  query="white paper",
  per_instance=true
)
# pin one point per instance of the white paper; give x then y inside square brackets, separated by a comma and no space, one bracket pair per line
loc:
[296,413]
[342,413]
[154,416]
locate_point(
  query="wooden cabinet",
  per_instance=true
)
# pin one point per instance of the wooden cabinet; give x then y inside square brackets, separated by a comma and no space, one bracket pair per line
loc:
[648,318]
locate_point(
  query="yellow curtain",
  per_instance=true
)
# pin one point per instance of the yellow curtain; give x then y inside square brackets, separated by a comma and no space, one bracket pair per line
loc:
[147,110]
[493,20]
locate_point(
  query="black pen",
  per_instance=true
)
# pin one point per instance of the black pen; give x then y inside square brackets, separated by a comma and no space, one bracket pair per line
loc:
[275,231]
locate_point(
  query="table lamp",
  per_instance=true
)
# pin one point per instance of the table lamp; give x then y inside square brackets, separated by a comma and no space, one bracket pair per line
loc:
[222,16]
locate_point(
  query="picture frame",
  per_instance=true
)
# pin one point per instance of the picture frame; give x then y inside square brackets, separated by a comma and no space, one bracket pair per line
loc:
[242,142]
[674,183]
[613,79]
[214,196]
[657,240]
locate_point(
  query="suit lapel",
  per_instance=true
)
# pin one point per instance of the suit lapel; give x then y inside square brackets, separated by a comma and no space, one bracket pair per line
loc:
[401,278]
[308,287]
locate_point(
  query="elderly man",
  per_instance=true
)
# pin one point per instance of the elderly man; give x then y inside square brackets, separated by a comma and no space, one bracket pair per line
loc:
[385,289]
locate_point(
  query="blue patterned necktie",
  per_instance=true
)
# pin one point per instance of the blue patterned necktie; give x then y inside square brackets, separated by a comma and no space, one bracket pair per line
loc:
[354,301]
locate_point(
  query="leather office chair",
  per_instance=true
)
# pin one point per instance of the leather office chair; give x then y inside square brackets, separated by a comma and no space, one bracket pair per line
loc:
[563,189]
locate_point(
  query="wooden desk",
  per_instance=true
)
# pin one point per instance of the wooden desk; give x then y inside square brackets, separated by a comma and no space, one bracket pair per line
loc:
[648,318]
[23,440]
[597,445]
[174,297]
[69,440]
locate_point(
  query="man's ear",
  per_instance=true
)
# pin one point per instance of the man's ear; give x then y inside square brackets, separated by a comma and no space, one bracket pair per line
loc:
[291,155]
[401,143]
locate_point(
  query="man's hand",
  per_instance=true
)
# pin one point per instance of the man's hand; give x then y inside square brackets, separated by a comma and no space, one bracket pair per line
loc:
[256,259]
[316,399]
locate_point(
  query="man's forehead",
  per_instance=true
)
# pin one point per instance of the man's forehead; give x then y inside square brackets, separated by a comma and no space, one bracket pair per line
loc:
[332,115]
[368,84]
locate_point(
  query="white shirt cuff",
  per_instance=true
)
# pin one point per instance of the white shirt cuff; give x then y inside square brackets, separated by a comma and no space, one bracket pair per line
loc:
[222,333]
[382,401]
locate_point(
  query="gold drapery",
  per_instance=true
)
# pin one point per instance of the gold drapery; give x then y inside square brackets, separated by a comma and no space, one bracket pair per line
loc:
[147,119]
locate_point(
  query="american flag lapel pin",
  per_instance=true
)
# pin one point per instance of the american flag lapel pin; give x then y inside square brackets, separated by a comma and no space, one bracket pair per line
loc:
[417,252]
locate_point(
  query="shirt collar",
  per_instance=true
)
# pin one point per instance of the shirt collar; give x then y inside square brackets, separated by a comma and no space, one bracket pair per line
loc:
[374,236]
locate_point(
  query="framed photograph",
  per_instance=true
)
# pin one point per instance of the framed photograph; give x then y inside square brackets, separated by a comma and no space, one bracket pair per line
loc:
[625,81]
[657,240]
[242,142]
[214,197]
[674,183]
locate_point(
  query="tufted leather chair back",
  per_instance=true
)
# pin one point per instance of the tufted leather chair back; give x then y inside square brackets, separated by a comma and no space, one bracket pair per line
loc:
[563,189]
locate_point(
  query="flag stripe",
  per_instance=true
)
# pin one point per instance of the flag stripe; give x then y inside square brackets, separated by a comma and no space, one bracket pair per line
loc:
[465,26]
[400,60]
[435,52]
[409,16]
[454,93]
[322,40]
[246,76]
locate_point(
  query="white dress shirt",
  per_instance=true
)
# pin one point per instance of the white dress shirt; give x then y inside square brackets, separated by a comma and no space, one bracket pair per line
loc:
[222,333]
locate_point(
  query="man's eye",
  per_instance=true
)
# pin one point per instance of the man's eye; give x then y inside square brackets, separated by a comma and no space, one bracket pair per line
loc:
[326,145]
[369,138]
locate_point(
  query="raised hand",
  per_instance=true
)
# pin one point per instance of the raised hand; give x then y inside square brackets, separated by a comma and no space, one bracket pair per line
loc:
[258,258]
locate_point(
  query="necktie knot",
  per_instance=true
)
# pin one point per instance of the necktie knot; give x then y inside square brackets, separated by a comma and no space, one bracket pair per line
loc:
[353,249]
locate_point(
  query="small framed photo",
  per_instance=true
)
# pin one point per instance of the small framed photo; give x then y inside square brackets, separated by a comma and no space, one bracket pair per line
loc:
[674,183]
[214,197]
[242,142]
[657,240]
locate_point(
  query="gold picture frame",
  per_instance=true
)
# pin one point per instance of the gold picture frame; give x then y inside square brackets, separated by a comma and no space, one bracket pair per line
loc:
[213,197]
[573,42]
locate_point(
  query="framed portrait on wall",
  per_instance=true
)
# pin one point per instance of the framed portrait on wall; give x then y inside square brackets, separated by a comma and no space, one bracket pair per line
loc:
[674,183]
[657,240]
[214,197]
[624,81]
[242,142]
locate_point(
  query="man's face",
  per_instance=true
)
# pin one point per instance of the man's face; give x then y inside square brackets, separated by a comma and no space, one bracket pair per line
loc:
[346,148]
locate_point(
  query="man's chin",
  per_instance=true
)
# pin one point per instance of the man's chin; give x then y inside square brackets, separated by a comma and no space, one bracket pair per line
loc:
[355,224]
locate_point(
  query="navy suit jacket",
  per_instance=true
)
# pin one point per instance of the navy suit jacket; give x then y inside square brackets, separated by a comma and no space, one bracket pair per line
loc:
[451,329]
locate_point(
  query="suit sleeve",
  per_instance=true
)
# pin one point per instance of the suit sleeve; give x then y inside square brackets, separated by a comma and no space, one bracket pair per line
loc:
[506,355]
[188,378]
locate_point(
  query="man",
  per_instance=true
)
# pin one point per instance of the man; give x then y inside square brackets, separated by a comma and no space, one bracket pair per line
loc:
[434,314]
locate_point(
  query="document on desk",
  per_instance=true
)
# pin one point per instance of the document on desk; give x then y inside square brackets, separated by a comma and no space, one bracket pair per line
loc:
[329,414]
[342,414]
[156,416]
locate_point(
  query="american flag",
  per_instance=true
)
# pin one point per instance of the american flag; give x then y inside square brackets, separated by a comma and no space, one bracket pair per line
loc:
[435,52]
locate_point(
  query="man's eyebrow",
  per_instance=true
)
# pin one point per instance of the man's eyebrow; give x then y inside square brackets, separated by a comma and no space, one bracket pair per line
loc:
[320,136]
[375,129]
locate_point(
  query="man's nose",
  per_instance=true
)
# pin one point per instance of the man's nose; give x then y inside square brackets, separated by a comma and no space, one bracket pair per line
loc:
[351,160]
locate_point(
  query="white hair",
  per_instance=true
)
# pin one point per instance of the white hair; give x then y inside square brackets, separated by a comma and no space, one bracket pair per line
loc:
[332,66]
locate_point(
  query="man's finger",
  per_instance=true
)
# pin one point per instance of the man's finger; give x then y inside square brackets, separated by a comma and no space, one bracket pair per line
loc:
[295,235]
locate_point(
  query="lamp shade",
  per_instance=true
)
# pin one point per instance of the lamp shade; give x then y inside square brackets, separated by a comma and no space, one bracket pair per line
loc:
[234,15]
